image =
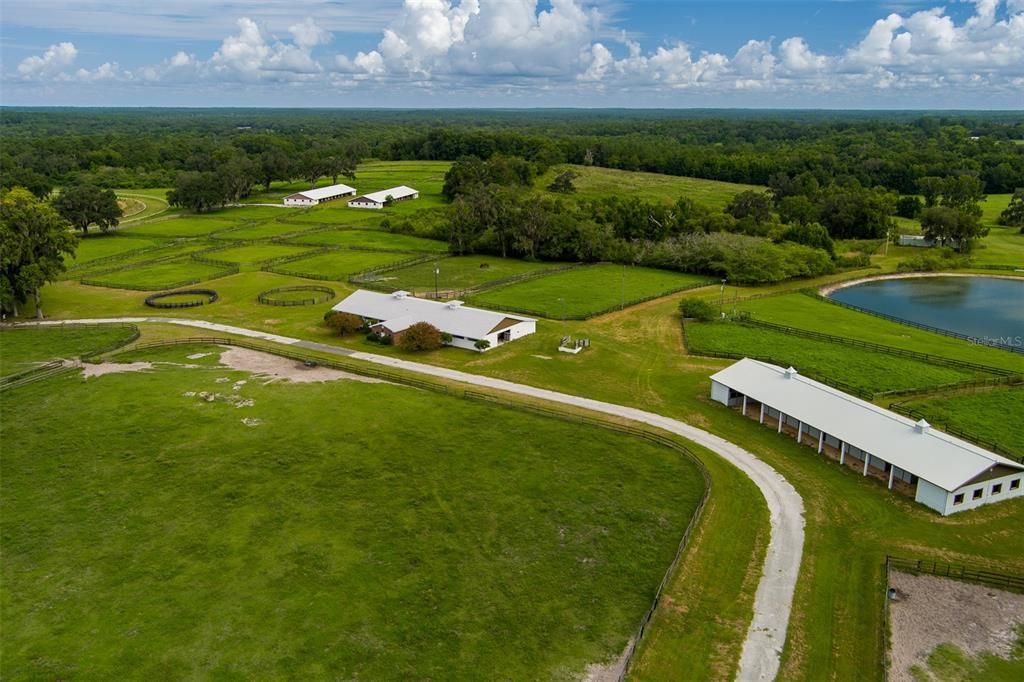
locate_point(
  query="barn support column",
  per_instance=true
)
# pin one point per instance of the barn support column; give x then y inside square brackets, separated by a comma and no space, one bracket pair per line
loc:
[744,412]
[821,441]
[867,458]
[842,452]
[782,418]
[799,432]
[762,413]
[892,475]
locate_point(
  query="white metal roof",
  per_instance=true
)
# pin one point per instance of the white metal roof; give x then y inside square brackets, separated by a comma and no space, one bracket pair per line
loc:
[324,192]
[399,192]
[937,457]
[399,311]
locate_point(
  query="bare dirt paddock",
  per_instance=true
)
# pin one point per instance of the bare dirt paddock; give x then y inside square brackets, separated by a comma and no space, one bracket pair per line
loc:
[930,611]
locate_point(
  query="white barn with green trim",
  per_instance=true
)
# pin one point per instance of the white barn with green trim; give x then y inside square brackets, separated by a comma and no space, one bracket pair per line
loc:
[940,471]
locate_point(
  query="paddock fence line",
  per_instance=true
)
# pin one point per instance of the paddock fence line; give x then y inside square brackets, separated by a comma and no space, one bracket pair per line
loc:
[266,297]
[364,278]
[748,319]
[966,572]
[968,436]
[70,272]
[563,415]
[504,281]
[55,367]
[553,315]
[813,293]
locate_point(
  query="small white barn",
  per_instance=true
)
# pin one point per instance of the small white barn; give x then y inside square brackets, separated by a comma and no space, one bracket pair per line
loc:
[379,199]
[312,197]
[391,314]
[940,471]
[916,240]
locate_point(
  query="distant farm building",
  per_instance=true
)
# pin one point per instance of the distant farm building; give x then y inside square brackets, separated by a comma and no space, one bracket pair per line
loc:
[391,314]
[915,240]
[383,197]
[944,473]
[312,197]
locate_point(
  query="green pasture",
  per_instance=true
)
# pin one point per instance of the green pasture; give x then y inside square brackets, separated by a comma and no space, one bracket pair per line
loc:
[805,312]
[586,290]
[863,369]
[983,414]
[165,250]
[372,239]
[154,201]
[270,229]
[24,347]
[338,265]
[1002,246]
[460,272]
[247,213]
[180,227]
[950,662]
[594,183]
[259,252]
[99,246]
[156,276]
[433,539]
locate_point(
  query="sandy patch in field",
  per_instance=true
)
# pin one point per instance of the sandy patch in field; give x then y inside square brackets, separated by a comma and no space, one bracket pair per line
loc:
[608,672]
[196,356]
[930,611]
[98,370]
[275,367]
[542,357]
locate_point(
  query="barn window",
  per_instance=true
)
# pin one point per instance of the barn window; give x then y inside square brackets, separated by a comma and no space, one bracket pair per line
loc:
[997,488]
[1015,484]
[978,492]
[958,498]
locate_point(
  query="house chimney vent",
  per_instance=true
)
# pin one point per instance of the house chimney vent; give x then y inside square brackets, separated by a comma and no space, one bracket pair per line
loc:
[791,372]
[922,426]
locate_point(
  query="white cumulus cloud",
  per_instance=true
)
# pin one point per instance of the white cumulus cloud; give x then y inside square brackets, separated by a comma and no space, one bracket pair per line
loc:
[50,63]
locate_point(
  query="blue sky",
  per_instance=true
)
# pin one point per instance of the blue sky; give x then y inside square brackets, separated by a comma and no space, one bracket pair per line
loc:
[509,53]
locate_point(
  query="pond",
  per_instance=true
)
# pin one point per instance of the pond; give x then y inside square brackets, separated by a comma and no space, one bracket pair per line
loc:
[986,308]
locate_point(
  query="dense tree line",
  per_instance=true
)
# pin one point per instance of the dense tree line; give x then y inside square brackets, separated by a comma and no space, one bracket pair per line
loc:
[150,148]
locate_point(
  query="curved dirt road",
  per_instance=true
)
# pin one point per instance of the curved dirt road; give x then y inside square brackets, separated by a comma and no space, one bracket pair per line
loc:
[774,597]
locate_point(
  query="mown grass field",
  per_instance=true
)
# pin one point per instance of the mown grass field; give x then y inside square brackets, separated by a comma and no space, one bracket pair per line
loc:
[984,414]
[154,203]
[165,249]
[805,312]
[460,272]
[106,245]
[251,254]
[338,265]
[23,348]
[179,541]
[165,275]
[266,229]
[594,182]
[586,290]
[372,239]
[863,369]
[180,227]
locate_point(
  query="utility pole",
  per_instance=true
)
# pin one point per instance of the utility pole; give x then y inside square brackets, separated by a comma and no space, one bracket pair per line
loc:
[437,271]
[721,300]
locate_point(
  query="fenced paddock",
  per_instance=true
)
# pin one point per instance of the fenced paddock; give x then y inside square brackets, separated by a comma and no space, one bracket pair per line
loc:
[459,273]
[336,265]
[371,239]
[187,298]
[29,348]
[256,253]
[585,292]
[308,294]
[180,227]
[160,276]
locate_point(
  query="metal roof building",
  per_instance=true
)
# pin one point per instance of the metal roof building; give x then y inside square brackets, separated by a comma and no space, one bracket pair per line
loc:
[311,197]
[378,199]
[392,314]
[942,472]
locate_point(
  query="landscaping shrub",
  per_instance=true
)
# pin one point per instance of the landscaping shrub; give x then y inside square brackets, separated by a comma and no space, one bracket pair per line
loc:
[421,336]
[345,323]
[482,344]
[697,309]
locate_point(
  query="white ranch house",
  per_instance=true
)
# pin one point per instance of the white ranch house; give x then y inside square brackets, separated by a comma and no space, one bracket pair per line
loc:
[940,471]
[391,314]
[379,199]
[312,197]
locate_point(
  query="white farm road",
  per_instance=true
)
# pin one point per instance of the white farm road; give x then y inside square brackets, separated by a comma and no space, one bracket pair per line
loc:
[773,600]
